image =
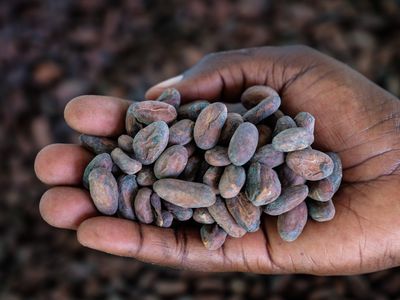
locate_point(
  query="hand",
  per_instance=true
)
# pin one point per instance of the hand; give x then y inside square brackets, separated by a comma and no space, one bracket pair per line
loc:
[354,117]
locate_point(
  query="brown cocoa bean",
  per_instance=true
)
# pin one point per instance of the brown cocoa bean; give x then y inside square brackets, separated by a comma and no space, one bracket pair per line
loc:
[212,236]
[232,181]
[150,142]
[323,190]
[208,126]
[171,162]
[180,213]
[291,224]
[278,114]
[255,94]
[142,205]
[191,168]
[191,148]
[170,96]
[146,177]
[264,135]
[244,212]
[212,177]
[124,162]
[147,112]
[288,177]
[283,123]
[127,188]
[305,120]
[288,199]
[262,110]
[292,139]
[262,185]
[268,156]
[97,144]
[155,202]
[310,164]
[103,190]
[320,211]
[102,160]
[132,125]
[233,120]
[183,193]
[217,156]
[181,133]
[201,215]
[192,110]
[243,144]
[125,142]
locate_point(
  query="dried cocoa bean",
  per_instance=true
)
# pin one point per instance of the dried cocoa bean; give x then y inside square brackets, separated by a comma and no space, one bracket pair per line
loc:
[128,188]
[217,156]
[125,142]
[146,177]
[255,94]
[321,211]
[283,123]
[232,181]
[180,213]
[244,212]
[288,177]
[262,185]
[170,96]
[212,178]
[262,110]
[264,135]
[147,112]
[201,215]
[142,205]
[104,191]
[155,202]
[132,125]
[171,162]
[167,219]
[150,142]
[268,156]
[305,120]
[192,110]
[208,126]
[191,168]
[97,144]
[191,148]
[243,144]
[224,219]
[102,160]
[183,193]
[181,133]
[310,164]
[233,120]
[124,162]
[212,236]
[291,224]
[292,139]
[288,199]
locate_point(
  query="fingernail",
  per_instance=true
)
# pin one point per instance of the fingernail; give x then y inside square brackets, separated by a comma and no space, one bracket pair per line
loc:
[169,82]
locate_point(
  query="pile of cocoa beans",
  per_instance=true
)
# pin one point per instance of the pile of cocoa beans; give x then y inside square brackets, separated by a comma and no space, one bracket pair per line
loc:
[222,169]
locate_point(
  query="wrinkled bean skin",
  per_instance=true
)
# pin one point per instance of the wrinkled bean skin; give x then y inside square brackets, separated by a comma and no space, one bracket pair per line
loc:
[292,139]
[305,120]
[321,211]
[255,94]
[170,96]
[171,162]
[262,110]
[102,160]
[212,178]
[191,168]
[262,185]
[128,188]
[288,199]
[125,142]
[181,133]
[146,177]
[202,216]
[208,126]
[243,144]
[180,213]
[150,142]
[224,219]
[212,236]
[288,177]
[244,212]
[283,123]
[184,194]
[97,144]
[147,112]
[323,190]
[217,156]
[132,125]
[264,135]
[104,191]
[192,110]
[233,120]
[232,181]
[124,162]
[310,164]
[268,156]
[291,224]
[142,205]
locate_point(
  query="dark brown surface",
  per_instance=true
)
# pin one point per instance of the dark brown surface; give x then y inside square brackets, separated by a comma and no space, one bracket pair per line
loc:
[55,50]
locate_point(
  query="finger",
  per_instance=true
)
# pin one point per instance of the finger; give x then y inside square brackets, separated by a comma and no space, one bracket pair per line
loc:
[61,164]
[181,248]
[97,115]
[66,207]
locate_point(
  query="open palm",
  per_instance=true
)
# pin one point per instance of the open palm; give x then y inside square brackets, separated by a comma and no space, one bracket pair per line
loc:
[354,118]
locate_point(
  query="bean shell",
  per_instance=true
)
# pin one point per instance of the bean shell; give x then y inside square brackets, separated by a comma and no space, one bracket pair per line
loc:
[217,156]
[97,144]
[233,120]
[104,191]
[243,144]
[288,199]
[212,178]
[128,188]
[201,215]
[291,224]
[127,164]
[102,160]
[292,139]
[192,110]
[255,94]
[244,212]
[171,162]
[321,211]
[232,181]
[212,236]
[170,96]
[181,133]
[148,112]
[142,205]
[268,156]
[262,110]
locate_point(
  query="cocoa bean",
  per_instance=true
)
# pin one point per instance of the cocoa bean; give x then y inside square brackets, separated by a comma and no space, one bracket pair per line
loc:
[181,133]
[212,236]
[217,156]
[191,168]
[180,213]
[292,139]
[127,188]
[288,199]
[283,123]
[167,219]
[146,177]
[201,215]
[171,162]
[212,178]
[125,142]
[132,125]
[321,211]
[191,148]
[124,162]
[97,144]
[203,167]
[102,160]
[155,202]
[208,126]
[183,193]
[264,135]
[243,144]
[288,177]
[305,120]
[232,181]
[150,142]
[244,212]
[142,205]
[310,164]
[255,94]
[233,120]
[291,224]
[147,112]
[268,156]
[223,218]
[262,110]
[192,110]
[103,190]
[170,96]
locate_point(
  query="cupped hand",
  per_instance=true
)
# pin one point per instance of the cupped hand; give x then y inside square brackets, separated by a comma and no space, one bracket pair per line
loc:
[354,117]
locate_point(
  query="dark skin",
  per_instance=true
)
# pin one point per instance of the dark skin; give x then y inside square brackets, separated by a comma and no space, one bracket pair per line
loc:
[354,117]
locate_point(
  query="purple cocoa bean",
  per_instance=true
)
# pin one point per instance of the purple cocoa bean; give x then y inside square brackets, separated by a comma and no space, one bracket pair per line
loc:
[217,156]
[147,112]
[292,139]
[288,199]
[212,178]
[255,94]
[146,177]
[142,205]
[126,164]
[102,160]
[125,142]
[104,191]
[268,156]
[201,215]
[244,212]
[291,223]
[232,181]
[171,162]
[321,211]
[170,96]
[181,133]
[243,144]
[233,120]
[192,110]
[128,188]
[97,144]
[305,120]
[212,236]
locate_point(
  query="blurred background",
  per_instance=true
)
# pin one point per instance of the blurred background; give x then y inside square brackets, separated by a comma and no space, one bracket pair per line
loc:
[54,50]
